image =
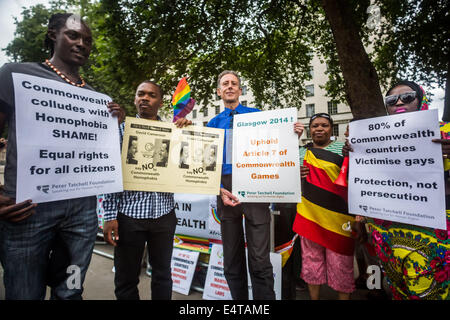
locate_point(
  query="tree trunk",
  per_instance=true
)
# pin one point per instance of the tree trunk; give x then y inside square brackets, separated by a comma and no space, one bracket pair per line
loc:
[363,93]
[446,115]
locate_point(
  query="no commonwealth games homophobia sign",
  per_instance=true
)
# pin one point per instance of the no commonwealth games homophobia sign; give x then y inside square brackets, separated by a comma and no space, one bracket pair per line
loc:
[396,171]
[67,141]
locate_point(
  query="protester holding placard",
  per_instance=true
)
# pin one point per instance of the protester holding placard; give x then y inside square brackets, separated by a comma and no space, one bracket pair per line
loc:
[230,210]
[415,259]
[134,218]
[327,245]
[25,246]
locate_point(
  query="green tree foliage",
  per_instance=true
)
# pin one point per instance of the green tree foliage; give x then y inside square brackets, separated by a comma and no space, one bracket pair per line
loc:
[413,41]
[164,40]
[269,42]
[28,41]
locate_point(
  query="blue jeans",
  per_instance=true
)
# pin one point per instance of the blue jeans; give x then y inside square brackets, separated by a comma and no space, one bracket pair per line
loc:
[26,245]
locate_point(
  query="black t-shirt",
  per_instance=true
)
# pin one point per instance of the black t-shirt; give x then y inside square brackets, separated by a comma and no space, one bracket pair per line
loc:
[8,107]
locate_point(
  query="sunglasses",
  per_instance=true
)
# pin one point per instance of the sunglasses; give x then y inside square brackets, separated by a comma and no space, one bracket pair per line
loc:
[406,97]
[320,115]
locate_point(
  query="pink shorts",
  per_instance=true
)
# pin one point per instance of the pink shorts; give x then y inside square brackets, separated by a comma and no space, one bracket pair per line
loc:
[321,265]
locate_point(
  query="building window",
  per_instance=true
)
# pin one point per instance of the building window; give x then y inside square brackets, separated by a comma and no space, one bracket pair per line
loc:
[205,123]
[244,90]
[336,130]
[308,133]
[194,114]
[310,90]
[310,110]
[205,111]
[332,107]
[217,109]
[244,103]
[311,72]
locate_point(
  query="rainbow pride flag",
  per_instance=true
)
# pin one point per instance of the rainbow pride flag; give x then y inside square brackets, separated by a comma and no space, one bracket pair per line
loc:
[215,216]
[182,102]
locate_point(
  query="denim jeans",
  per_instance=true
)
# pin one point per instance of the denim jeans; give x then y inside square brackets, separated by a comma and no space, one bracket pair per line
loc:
[26,245]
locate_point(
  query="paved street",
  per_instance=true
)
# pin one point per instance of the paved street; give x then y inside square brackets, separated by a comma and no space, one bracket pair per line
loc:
[99,283]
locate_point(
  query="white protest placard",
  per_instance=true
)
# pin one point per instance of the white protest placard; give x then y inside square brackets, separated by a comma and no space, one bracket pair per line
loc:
[266,157]
[183,268]
[216,286]
[192,212]
[67,141]
[196,215]
[396,172]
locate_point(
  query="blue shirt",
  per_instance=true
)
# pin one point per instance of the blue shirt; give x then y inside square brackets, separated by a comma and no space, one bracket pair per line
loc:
[223,121]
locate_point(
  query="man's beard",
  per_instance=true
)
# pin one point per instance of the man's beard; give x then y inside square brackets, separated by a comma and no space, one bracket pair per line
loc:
[230,101]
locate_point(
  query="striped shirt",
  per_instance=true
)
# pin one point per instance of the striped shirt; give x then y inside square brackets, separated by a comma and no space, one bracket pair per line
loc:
[335,147]
[137,204]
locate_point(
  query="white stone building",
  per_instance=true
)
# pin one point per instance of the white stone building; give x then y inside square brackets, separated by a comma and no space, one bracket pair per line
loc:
[315,101]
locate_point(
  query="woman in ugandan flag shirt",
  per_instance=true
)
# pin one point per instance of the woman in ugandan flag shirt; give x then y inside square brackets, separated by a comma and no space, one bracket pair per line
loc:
[327,246]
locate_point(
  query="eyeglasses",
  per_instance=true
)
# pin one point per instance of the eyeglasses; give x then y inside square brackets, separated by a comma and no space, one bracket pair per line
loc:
[406,97]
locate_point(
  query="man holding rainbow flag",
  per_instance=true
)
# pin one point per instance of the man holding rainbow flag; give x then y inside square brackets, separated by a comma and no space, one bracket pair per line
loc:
[136,218]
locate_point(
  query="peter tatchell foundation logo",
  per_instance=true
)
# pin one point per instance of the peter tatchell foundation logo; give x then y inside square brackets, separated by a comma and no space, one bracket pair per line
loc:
[363,207]
[44,188]
[242,193]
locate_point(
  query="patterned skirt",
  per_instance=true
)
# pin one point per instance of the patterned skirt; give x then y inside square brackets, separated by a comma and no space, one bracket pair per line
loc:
[416,260]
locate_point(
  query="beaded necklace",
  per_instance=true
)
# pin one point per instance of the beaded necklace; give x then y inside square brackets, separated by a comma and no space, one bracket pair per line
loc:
[59,73]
